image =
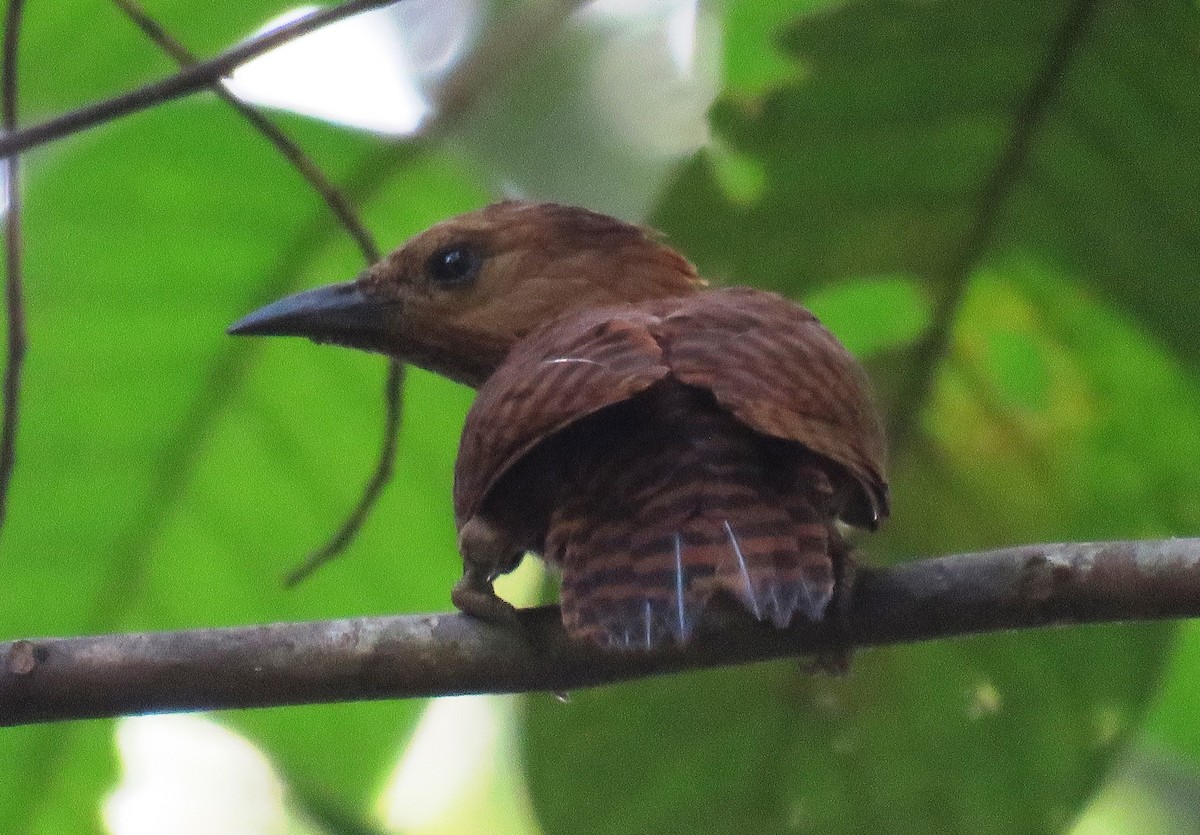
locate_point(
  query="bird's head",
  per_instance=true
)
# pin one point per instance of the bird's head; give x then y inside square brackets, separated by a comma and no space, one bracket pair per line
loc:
[456,297]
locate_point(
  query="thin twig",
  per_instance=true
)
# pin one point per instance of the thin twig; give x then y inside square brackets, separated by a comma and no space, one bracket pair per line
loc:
[344,535]
[1027,120]
[504,46]
[507,43]
[348,217]
[497,53]
[293,153]
[14,289]
[415,656]
[190,80]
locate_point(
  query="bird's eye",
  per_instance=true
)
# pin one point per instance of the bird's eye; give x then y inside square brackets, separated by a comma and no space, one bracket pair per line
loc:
[454,265]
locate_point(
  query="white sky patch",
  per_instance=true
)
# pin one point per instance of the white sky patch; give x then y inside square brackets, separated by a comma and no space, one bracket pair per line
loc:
[446,780]
[367,71]
[4,188]
[679,19]
[681,36]
[187,775]
[450,756]
[657,75]
[611,102]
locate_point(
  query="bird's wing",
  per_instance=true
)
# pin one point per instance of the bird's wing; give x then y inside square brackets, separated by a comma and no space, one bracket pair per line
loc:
[781,372]
[769,361]
[559,373]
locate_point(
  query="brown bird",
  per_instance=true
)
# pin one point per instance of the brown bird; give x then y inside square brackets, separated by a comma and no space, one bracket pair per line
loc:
[668,446]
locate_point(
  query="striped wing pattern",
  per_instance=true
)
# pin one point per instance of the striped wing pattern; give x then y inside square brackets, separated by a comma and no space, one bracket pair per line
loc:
[552,378]
[671,475]
[780,371]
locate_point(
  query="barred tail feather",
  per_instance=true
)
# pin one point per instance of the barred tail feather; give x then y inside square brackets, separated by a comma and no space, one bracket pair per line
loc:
[644,582]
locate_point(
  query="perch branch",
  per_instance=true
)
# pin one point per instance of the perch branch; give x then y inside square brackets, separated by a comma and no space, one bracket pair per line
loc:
[44,680]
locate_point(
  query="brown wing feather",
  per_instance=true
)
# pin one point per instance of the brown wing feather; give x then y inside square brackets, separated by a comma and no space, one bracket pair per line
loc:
[558,374]
[781,372]
[629,445]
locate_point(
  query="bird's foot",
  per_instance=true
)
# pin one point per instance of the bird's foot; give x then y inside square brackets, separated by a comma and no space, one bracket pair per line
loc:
[474,595]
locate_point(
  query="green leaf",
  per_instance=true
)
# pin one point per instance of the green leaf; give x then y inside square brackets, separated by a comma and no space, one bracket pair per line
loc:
[872,315]
[944,738]
[1111,185]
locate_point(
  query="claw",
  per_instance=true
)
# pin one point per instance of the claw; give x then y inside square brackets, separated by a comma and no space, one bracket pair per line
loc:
[474,595]
[487,552]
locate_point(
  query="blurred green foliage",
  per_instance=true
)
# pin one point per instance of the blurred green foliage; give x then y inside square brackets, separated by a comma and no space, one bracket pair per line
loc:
[867,157]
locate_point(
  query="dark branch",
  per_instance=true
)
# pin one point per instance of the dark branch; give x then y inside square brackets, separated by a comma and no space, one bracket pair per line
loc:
[187,81]
[436,655]
[1027,120]
[14,284]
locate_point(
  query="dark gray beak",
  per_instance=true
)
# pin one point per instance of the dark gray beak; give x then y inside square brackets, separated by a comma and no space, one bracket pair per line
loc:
[340,313]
